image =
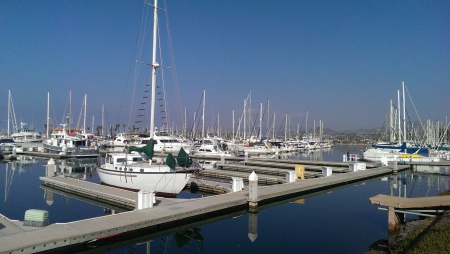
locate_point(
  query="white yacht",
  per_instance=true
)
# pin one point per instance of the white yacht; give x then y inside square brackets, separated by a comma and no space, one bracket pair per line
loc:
[25,135]
[72,144]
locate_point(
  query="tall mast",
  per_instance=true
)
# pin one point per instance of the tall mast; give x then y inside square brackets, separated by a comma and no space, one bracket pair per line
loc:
[203,114]
[84,118]
[48,113]
[154,66]
[103,116]
[70,109]
[9,109]
[306,124]
[260,120]
[404,113]
[273,127]
[233,124]
[268,115]
[194,129]
[399,123]
[245,113]
[185,119]
[285,128]
[391,124]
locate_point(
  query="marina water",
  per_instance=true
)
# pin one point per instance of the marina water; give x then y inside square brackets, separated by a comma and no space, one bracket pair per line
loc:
[339,220]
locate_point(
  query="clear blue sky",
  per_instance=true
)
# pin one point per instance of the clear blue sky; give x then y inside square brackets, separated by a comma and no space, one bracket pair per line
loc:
[342,61]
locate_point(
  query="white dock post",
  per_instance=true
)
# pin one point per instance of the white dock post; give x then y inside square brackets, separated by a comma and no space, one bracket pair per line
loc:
[51,167]
[237,184]
[326,171]
[246,155]
[290,176]
[64,150]
[14,152]
[253,190]
[222,158]
[150,199]
[140,201]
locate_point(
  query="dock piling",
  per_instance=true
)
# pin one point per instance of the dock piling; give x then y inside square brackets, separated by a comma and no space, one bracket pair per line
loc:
[51,169]
[253,190]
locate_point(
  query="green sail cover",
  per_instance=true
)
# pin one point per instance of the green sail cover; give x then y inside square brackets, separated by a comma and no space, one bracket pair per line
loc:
[183,159]
[147,149]
[170,161]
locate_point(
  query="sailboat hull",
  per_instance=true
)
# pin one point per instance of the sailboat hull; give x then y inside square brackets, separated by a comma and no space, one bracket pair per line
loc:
[167,184]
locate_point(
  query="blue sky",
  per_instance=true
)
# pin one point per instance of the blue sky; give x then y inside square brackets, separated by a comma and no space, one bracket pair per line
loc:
[340,61]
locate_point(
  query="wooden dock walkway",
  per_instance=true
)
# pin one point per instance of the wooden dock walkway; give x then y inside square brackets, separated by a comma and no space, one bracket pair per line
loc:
[166,211]
[266,169]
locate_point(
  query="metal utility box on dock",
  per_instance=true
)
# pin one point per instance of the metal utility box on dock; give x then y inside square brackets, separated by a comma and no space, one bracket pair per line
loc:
[327,171]
[357,166]
[36,218]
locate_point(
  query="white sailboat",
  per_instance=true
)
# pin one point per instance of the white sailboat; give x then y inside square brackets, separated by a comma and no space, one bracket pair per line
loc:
[131,170]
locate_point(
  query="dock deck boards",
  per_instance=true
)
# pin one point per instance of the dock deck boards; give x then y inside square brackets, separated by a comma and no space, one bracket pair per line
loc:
[400,202]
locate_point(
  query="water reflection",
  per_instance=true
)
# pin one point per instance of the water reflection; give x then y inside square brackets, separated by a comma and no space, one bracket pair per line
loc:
[74,168]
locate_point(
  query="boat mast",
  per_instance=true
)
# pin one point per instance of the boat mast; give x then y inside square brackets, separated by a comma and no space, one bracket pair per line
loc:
[306,124]
[260,120]
[84,118]
[154,66]
[203,114]
[103,117]
[399,117]
[404,112]
[245,115]
[273,127]
[48,113]
[9,109]
[70,109]
[233,123]
[391,124]
[285,128]
[185,119]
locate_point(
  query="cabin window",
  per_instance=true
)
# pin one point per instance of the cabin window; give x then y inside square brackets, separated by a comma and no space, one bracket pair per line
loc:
[136,159]
[119,160]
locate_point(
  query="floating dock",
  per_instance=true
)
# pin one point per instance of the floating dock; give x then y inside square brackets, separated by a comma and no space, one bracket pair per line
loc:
[165,211]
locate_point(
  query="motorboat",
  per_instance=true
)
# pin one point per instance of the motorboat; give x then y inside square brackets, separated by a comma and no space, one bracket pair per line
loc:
[71,144]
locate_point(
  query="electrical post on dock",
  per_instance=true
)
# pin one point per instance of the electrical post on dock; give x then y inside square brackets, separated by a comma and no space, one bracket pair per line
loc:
[51,168]
[300,171]
[253,190]
[146,199]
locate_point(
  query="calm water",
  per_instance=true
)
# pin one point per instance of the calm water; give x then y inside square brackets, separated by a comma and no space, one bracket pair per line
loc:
[338,221]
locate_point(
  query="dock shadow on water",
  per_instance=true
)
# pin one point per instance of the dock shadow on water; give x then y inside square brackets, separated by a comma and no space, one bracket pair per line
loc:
[337,220]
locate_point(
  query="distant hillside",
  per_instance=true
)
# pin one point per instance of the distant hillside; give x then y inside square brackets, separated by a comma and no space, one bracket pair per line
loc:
[328,131]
